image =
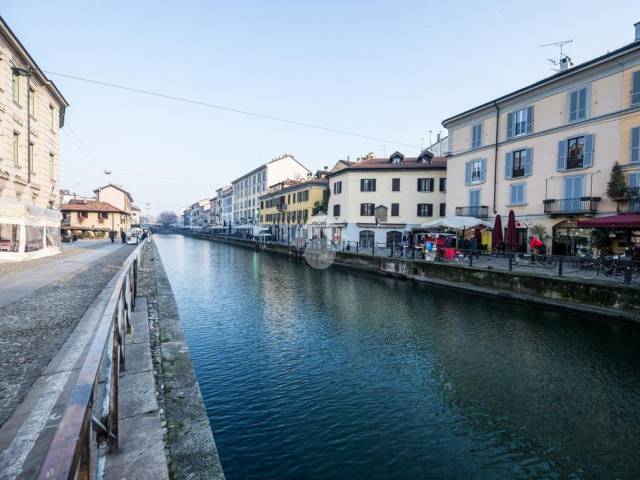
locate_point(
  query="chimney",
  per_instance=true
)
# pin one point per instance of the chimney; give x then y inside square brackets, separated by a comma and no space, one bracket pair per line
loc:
[438,138]
[637,25]
[564,64]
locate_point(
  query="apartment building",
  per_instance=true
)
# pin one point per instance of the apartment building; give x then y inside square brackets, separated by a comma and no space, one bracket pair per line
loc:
[287,208]
[31,114]
[380,199]
[225,194]
[546,150]
[248,188]
[215,216]
[119,198]
[93,219]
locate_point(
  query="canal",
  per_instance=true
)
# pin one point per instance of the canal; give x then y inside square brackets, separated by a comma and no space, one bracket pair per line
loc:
[342,374]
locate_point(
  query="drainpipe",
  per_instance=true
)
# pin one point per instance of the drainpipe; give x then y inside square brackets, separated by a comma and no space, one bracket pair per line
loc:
[495,158]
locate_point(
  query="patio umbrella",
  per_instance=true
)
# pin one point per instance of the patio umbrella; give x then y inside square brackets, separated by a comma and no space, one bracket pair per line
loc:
[496,235]
[511,239]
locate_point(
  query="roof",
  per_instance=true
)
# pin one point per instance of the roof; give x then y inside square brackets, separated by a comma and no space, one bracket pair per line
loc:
[323,182]
[97,190]
[15,43]
[409,163]
[137,209]
[623,220]
[90,207]
[560,75]
[277,159]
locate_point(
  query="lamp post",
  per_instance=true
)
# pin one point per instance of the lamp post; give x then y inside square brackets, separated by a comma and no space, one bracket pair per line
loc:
[26,72]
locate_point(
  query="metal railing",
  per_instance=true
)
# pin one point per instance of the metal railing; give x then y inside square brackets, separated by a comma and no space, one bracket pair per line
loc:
[473,211]
[567,206]
[93,404]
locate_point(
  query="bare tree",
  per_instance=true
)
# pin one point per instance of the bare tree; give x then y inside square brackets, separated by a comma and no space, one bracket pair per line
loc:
[167,218]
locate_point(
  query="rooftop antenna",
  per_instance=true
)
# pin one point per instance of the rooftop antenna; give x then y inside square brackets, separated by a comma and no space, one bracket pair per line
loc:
[564,61]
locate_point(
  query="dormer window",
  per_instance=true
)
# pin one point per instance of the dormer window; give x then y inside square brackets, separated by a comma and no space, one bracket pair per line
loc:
[425,157]
[396,158]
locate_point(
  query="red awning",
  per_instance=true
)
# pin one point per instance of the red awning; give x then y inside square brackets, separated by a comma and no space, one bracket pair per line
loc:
[629,220]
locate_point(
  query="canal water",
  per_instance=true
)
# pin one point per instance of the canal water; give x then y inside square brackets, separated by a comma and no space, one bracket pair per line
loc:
[342,374]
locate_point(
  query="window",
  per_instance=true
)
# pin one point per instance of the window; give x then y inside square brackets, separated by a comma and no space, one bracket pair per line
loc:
[83,214]
[394,238]
[367,238]
[578,104]
[16,142]
[443,184]
[15,87]
[396,160]
[368,185]
[31,147]
[633,183]
[395,209]
[425,210]
[475,171]
[517,193]
[103,215]
[395,184]
[474,198]
[518,163]
[576,152]
[520,122]
[337,188]
[635,88]
[573,191]
[476,135]
[367,209]
[32,102]
[51,164]
[635,145]
[336,210]
[425,184]
[443,209]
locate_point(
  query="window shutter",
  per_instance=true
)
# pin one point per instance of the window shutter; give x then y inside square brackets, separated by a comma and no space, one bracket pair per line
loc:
[362,209]
[528,159]
[529,119]
[362,184]
[589,145]
[431,184]
[633,180]
[573,106]
[429,209]
[373,186]
[508,165]
[635,144]
[510,125]
[562,155]
[523,196]
[418,187]
[582,103]
[483,169]
[467,173]
[512,194]
[635,88]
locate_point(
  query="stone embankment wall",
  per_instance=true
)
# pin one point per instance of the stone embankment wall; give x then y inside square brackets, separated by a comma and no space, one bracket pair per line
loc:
[593,299]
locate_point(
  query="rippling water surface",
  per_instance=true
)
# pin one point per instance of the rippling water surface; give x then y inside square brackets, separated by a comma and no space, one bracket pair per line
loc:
[340,374]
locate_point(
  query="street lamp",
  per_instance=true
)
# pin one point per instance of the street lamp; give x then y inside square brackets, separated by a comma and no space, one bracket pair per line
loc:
[26,72]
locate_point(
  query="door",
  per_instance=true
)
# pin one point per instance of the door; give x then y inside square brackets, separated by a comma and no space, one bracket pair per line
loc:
[474,203]
[573,188]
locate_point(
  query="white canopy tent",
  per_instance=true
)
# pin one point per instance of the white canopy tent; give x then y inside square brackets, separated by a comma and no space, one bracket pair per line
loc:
[457,223]
[28,231]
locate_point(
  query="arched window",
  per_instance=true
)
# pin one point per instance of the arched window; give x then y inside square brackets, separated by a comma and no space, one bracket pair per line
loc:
[366,238]
[394,237]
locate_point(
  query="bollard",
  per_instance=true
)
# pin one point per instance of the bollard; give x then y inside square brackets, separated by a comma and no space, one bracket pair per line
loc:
[510,263]
[561,266]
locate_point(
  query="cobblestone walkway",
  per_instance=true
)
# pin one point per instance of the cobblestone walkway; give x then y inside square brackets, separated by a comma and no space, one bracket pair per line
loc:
[35,327]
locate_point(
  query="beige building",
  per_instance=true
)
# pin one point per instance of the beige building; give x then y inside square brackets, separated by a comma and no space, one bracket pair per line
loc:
[381,199]
[31,114]
[88,219]
[546,150]
[119,198]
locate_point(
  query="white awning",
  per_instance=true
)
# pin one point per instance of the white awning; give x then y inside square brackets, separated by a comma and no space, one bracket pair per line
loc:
[457,223]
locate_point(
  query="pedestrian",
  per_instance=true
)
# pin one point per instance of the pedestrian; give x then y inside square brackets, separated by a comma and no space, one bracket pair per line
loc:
[123,236]
[112,236]
[475,247]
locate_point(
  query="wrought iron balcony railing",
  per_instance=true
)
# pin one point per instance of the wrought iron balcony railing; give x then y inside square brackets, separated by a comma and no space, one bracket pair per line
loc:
[571,206]
[476,211]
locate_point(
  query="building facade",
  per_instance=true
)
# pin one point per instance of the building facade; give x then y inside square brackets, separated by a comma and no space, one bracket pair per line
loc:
[286,210]
[381,199]
[248,189]
[557,141]
[31,114]
[119,198]
[88,219]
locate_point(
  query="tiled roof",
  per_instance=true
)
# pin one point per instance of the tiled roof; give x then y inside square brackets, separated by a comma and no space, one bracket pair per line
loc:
[90,207]
[409,163]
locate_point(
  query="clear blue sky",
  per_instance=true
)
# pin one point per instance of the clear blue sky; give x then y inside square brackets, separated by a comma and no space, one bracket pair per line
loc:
[386,69]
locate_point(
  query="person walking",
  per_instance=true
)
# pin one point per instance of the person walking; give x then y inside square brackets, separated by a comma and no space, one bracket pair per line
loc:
[123,236]
[112,236]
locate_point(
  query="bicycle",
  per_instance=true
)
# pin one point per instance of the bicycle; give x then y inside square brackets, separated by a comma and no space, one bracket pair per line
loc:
[610,268]
[539,260]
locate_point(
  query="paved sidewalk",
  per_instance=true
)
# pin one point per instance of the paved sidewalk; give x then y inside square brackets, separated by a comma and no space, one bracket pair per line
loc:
[36,326]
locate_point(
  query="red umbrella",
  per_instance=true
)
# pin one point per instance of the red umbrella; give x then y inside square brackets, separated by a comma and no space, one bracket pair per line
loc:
[511,240]
[496,235]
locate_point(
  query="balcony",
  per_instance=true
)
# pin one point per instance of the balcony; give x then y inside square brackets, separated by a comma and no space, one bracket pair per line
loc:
[571,206]
[473,211]
[628,205]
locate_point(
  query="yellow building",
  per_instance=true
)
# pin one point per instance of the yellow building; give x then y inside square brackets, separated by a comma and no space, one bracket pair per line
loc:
[287,208]
[93,219]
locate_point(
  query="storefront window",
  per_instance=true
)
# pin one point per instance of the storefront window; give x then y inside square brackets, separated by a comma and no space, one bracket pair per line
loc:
[34,239]
[9,237]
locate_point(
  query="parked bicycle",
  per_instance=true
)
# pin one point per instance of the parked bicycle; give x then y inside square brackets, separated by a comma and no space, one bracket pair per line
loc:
[534,260]
[611,268]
